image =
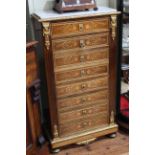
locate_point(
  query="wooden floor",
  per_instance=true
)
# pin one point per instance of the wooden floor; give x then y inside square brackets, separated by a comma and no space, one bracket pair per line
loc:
[103,146]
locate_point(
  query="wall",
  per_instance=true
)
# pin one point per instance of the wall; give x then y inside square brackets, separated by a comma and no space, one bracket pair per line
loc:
[112,3]
[35,5]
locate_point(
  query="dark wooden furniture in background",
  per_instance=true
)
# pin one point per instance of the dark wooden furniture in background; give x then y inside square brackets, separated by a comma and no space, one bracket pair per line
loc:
[123,60]
[80,60]
[34,135]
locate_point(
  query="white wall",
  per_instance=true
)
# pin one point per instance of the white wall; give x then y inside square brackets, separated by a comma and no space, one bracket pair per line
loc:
[36,5]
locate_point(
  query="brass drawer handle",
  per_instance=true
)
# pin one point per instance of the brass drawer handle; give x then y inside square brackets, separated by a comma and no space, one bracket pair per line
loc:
[83,100]
[83,86]
[82,58]
[84,124]
[68,89]
[82,43]
[84,112]
[81,27]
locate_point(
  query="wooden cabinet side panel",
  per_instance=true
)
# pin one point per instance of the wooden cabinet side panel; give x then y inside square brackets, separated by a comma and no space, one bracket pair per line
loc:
[49,67]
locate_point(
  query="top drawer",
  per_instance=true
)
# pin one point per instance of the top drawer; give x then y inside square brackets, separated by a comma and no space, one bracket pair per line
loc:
[79,27]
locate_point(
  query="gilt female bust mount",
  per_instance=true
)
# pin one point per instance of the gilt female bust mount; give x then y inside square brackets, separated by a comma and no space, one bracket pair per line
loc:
[74,5]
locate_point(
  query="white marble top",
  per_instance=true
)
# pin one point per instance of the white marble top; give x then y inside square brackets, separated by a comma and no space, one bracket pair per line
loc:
[52,15]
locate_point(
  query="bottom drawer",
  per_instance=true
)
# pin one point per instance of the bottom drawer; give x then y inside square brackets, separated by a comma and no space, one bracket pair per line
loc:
[81,125]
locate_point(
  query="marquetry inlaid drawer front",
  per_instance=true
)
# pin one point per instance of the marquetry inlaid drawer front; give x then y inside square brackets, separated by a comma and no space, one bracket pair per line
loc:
[82,113]
[81,73]
[31,67]
[81,87]
[73,103]
[77,57]
[79,27]
[84,124]
[81,42]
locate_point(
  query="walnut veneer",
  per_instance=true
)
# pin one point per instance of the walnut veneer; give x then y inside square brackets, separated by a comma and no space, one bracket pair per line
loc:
[80,60]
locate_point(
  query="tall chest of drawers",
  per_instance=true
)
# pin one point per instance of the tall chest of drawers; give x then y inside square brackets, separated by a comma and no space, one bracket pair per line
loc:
[80,63]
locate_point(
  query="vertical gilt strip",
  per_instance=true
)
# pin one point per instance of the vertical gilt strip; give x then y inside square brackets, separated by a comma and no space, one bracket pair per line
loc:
[46,34]
[55,131]
[112,118]
[113,26]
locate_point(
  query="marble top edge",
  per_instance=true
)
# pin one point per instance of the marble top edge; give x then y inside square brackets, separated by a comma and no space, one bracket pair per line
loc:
[53,15]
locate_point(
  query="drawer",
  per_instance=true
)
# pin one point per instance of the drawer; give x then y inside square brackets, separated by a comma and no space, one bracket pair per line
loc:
[81,73]
[82,125]
[81,42]
[82,113]
[81,87]
[83,100]
[71,58]
[79,27]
